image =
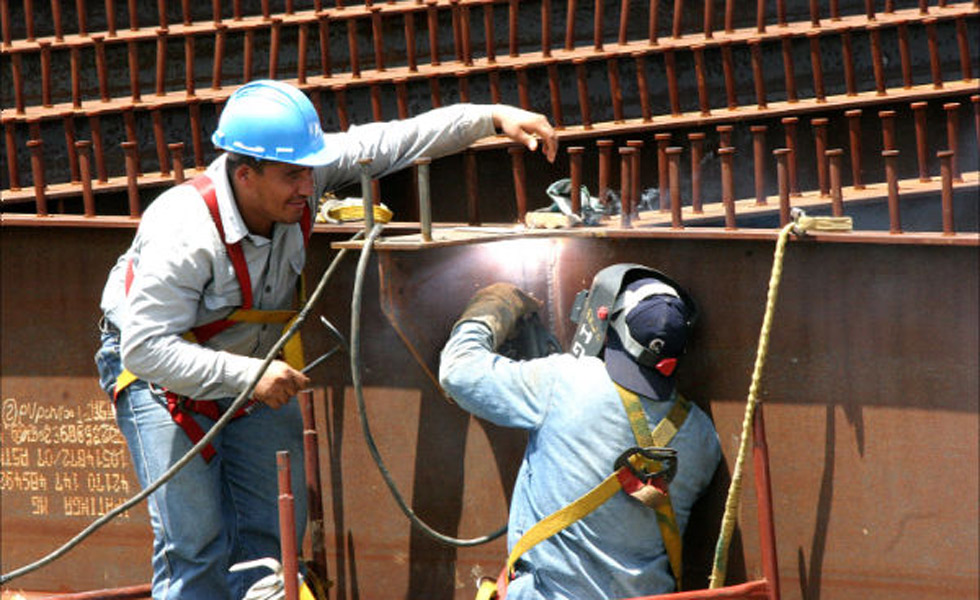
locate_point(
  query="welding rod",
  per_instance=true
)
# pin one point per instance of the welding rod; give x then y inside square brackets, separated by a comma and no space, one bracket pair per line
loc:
[854,136]
[759,160]
[287,527]
[425,206]
[703,99]
[177,160]
[520,180]
[696,140]
[964,45]
[554,92]
[674,162]
[876,59]
[728,185]
[472,187]
[946,170]
[10,139]
[904,53]
[575,177]
[891,176]
[789,127]
[635,170]
[615,91]
[728,68]
[583,92]
[132,188]
[95,127]
[653,24]
[367,196]
[834,157]
[782,177]
[83,150]
[887,129]
[817,65]
[625,177]
[671,70]
[759,75]
[934,65]
[36,146]
[605,168]
[663,184]
[819,126]
[847,57]
[952,136]
[642,86]
[921,139]
[311,467]
[789,72]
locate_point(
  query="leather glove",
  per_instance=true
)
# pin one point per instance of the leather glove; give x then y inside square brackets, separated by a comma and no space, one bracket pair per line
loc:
[499,306]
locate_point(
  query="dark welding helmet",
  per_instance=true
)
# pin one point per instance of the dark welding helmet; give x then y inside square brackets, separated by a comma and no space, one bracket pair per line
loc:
[602,304]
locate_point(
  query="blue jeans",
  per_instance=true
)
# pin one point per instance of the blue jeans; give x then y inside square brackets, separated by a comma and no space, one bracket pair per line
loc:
[209,516]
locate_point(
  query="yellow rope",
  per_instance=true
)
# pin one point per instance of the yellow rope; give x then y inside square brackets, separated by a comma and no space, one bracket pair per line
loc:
[800,225]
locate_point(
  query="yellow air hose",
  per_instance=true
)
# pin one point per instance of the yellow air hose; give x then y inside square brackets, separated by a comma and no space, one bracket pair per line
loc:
[800,225]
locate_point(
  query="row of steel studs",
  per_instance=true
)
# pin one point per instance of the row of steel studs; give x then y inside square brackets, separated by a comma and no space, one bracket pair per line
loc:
[461,34]
[829,167]
[825,177]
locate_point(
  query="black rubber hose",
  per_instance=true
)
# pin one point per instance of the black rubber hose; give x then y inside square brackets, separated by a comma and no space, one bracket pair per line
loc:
[239,402]
[355,373]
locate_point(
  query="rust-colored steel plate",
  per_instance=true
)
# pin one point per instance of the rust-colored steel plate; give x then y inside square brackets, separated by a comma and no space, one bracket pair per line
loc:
[871,385]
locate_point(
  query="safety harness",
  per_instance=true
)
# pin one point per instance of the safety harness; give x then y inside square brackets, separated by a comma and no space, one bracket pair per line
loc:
[644,472]
[181,407]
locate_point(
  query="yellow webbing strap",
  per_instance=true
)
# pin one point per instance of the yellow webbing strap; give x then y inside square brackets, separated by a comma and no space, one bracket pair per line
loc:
[292,351]
[597,496]
[660,437]
[564,517]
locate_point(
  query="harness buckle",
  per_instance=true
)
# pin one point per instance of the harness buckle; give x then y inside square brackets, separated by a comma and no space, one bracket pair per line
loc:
[667,457]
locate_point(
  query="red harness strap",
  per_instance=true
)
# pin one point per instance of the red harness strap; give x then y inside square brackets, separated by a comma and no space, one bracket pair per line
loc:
[180,410]
[181,407]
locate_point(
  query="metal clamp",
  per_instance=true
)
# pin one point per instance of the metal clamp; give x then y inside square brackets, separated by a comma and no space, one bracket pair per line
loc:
[667,457]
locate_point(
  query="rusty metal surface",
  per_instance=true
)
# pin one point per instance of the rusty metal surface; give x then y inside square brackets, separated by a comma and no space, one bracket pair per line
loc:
[871,385]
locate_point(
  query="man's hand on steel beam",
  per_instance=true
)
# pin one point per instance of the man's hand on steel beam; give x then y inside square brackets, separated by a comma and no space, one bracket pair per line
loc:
[527,128]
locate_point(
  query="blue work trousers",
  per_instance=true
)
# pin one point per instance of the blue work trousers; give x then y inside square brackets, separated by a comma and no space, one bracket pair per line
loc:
[210,515]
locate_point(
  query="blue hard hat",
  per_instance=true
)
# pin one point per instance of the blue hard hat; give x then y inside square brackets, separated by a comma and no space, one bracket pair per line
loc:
[273,120]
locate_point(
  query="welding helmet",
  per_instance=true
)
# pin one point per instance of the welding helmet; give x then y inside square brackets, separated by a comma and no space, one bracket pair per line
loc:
[640,319]
[275,121]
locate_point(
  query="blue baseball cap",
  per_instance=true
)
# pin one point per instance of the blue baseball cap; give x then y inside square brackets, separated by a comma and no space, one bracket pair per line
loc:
[657,322]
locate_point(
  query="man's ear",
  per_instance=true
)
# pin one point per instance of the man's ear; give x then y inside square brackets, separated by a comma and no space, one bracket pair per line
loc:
[243,174]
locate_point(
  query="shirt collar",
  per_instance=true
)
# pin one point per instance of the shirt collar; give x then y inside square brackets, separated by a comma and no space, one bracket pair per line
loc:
[231,218]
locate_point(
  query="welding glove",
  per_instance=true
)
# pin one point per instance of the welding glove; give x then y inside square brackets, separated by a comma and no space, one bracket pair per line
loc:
[499,306]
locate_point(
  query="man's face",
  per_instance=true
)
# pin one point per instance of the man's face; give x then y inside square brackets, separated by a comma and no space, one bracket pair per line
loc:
[276,194]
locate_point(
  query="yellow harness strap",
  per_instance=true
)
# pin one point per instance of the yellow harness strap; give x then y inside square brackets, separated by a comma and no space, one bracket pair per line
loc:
[597,496]
[292,351]
[660,437]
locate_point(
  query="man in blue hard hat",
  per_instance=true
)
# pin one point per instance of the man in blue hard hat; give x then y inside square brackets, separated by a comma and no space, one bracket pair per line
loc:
[201,295]
[609,437]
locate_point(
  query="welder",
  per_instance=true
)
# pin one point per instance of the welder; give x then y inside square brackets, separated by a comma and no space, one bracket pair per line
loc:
[615,457]
[203,292]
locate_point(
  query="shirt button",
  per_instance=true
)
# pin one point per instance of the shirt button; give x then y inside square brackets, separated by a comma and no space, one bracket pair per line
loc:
[268,288]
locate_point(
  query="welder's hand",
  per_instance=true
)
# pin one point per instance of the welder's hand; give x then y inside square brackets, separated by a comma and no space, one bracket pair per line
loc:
[527,128]
[278,384]
[499,306]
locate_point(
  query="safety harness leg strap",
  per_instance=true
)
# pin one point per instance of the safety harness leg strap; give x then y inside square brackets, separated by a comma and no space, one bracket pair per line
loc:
[180,408]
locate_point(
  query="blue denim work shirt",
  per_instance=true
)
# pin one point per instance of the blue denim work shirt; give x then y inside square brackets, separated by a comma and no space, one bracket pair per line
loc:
[577,428]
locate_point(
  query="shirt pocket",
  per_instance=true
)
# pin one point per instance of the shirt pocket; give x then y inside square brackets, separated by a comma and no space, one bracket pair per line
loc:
[223,291]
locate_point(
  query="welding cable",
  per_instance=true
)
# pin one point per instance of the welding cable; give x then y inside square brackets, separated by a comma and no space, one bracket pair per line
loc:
[355,373]
[239,402]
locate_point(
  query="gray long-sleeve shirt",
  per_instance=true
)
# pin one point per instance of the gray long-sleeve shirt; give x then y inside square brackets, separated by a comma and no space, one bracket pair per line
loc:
[182,277]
